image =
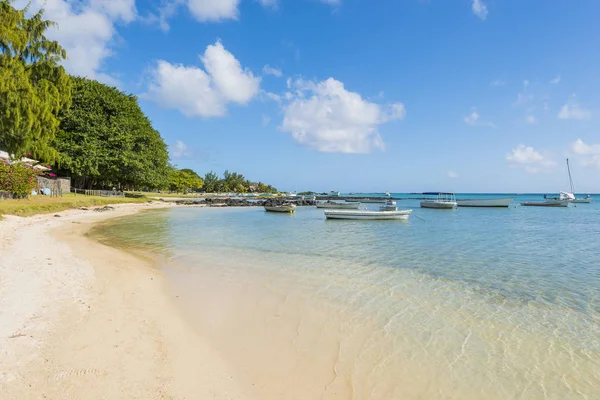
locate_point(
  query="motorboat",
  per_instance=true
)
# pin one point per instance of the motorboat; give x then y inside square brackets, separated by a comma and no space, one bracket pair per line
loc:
[347,205]
[282,208]
[389,205]
[584,200]
[368,215]
[441,200]
[497,202]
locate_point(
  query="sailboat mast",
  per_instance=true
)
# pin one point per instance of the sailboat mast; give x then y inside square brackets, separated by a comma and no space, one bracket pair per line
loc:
[570,179]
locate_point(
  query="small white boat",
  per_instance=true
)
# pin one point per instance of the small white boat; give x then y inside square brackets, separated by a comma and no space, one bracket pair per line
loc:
[283,208]
[348,205]
[584,200]
[442,200]
[498,202]
[388,206]
[368,215]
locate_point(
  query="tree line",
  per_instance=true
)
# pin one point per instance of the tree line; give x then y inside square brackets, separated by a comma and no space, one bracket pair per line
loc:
[91,132]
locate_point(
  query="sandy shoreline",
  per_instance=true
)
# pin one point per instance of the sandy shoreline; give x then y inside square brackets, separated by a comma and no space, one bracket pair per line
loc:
[80,320]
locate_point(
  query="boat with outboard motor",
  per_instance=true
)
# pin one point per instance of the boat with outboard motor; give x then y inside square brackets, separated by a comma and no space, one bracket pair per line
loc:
[389,205]
[282,208]
[369,215]
[442,200]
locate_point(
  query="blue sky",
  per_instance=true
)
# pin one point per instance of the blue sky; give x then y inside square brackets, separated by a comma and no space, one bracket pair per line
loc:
[357,95]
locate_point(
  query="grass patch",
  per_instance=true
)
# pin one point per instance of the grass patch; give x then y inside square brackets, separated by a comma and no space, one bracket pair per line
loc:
[45,205]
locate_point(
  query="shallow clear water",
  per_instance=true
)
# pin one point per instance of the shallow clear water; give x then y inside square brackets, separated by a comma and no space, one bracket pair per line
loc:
[470,303]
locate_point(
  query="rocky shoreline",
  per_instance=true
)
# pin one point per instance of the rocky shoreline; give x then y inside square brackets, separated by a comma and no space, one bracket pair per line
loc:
[229,202]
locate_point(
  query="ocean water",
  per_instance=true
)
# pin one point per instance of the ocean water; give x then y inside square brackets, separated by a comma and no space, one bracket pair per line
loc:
[464,304]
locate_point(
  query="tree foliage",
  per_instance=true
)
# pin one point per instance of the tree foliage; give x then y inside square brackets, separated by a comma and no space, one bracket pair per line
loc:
[106,140]
[33,87]
[234,182]
[184,180]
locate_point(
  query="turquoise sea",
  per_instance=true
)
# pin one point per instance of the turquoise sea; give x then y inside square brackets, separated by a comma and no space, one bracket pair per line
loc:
[464,304]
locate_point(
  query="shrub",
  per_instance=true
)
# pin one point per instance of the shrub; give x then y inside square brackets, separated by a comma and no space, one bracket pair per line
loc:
[18,179]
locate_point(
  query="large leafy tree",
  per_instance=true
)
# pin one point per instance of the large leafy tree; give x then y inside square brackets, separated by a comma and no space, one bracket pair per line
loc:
[184,180]
[106,140]
[33,87]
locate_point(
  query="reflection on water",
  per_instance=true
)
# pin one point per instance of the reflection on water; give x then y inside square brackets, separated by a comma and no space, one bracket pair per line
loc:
[453,304]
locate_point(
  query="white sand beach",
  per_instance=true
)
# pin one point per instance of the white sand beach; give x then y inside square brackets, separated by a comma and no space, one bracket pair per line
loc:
[80,320]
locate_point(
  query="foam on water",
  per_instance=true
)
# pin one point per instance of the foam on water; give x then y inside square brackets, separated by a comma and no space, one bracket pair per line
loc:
[457,304]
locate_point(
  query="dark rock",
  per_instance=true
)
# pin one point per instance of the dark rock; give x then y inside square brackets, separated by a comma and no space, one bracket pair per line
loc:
[58,216]
[103,209]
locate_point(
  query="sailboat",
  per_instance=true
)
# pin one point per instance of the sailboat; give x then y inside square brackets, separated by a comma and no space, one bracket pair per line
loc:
[571,196]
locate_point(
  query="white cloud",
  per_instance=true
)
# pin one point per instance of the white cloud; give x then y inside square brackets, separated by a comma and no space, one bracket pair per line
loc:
[213,10]
[266,120]
[556,80]
[530,119]
[589,153]
[267,70]
[480,9]
[327,117]
[452,175]
[86,29]
[573,111]
[473,120]
[180,150]
[497,82]
[529,158]
[199,93]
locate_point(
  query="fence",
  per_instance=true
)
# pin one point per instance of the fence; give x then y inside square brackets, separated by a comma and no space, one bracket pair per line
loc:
[57,186]
[102,193]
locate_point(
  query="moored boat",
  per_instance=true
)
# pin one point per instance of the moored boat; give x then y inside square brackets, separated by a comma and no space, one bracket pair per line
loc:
[584,200]
[348,205]
[389,205]
[546,203]
[497,202]
[442,200]
[368,215]
[283,208]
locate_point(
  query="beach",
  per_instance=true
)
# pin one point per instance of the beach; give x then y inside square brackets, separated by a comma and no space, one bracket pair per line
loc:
[80,320]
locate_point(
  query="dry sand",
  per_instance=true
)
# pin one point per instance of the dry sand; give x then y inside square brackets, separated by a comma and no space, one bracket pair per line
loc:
[80,320]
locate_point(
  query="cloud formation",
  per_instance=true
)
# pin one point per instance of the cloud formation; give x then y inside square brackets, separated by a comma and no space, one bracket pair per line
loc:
[267,70]
[572,110]
[86,29]
[473,119]
[180,149]
[479,9]
[328,118]
[198,92]
[590,153]
[530,159]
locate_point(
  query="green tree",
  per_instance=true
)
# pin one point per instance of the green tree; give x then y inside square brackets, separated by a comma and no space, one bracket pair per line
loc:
[33,87]
[211,181]
[184,180]
[106,140]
